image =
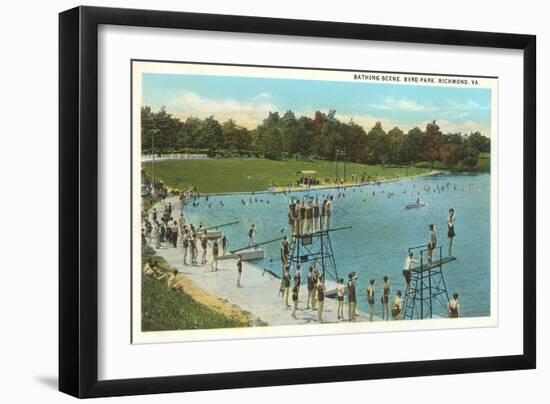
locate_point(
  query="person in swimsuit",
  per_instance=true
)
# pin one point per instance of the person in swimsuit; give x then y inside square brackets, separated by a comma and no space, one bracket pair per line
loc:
[302,218]
[252,236]
[157,236]
[432,244]
[340,293]
[225,244]
[310,287]
[298,275]
[309,217]
[397,306]
[370,298]
[215,253]
[185,245]
[295,290]
[285,251]
[385,298]
[286,286]
[316,215]
[204,245]
[239,271]
[292,219]
[453,307]
[352,297]
[320,297]
[329,212]
[407,270]
[451,230]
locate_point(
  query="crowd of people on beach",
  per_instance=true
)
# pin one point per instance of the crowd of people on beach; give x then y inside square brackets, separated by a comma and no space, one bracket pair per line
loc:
[162,230]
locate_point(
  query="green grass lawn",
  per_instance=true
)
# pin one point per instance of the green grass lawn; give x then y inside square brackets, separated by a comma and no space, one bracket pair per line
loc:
[246,175]
[484,162]
[164,309]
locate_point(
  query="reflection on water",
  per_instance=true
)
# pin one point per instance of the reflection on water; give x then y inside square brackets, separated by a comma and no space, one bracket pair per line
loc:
[382,230]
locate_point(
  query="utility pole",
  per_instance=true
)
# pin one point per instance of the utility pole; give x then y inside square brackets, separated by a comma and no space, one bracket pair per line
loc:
[336,163]
[345,164]
[153,131]
[338,152]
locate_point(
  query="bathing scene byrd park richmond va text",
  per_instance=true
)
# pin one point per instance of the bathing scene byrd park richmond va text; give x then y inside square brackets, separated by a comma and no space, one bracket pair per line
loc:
[291,201]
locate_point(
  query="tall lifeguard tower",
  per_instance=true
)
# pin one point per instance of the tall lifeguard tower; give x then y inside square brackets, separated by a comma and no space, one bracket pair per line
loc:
[427,285]
[315,248]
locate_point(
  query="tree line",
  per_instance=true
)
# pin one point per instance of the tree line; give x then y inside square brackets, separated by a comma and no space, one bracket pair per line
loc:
[321,136]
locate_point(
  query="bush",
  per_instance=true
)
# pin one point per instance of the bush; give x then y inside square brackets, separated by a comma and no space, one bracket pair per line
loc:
[423,164]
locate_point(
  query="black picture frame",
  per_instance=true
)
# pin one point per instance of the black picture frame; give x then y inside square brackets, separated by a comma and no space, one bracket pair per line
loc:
[78,196]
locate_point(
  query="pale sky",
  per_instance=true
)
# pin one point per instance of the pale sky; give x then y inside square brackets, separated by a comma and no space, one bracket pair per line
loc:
[248,100]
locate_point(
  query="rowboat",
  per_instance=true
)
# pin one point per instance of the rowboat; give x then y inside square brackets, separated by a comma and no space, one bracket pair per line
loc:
[415,205]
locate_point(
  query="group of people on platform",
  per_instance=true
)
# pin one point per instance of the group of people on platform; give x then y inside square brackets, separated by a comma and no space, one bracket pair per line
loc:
[311,216]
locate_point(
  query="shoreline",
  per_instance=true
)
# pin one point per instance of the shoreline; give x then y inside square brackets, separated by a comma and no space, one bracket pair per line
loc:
[295,189]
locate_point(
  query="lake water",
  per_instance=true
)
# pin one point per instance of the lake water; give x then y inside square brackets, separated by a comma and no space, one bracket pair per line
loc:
[382,230]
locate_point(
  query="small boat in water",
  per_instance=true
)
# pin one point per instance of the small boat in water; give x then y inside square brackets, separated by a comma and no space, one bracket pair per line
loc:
[416,205]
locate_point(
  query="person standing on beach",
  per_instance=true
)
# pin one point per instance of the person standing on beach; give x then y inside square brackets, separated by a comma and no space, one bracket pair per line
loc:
[370,298]
[156,236]
[315,279]
[352,297]
[310,287]
[215,253]
[225,244]
[252,236]
[320,297]
[453,307]
[295,290]
[286,286]
[397,307]
[385,299]
[162,234]
[298,275]
[204,245]
[451,230]
[239,271]
[175,232]
[340,289]
[185,245]
[193,248]
[432,244]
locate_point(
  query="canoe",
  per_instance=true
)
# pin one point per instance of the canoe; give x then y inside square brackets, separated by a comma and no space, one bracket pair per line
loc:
[415,205]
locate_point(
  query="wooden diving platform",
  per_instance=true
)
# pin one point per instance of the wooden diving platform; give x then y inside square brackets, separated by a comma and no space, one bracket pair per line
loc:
[251,255]
[436,263]
[213,234]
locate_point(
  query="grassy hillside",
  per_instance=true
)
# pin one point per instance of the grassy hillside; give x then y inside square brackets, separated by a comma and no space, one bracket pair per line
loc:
[164,309]
[245,175]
